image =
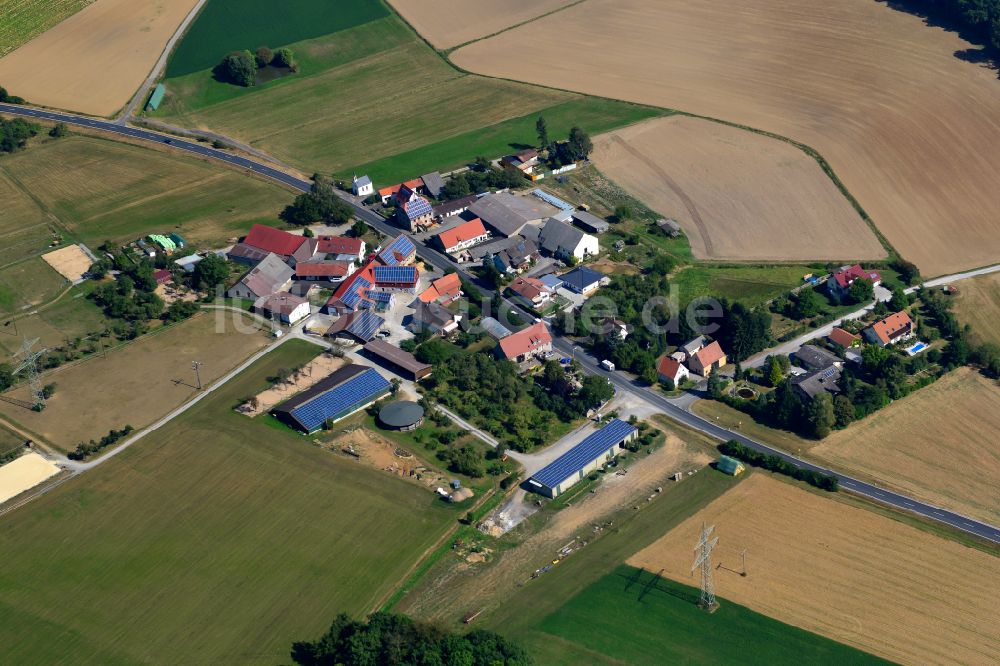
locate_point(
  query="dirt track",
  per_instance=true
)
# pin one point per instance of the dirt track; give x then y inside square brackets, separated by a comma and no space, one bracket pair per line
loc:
[843,572]
[94,61]
[738,195]
[913,131]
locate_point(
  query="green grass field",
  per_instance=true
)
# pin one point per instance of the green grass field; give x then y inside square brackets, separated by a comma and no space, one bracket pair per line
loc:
[232,25]
[750,285]
[636,617]
[28,283]
[215,540]
[71,316]
[23,20]
[9,441]
[375,98]
[95,190]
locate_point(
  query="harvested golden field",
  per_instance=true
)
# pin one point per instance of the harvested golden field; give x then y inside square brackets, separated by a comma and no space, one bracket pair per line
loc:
[136,384]
[978,305]
[843,572]
[738,195]
[94,61]
[912,130]
[938,444]
[448,23]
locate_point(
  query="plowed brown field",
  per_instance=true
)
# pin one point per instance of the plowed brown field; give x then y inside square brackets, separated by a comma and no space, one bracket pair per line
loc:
[913,130]
[448,23]
[844,572]
[94,61]
[737,194]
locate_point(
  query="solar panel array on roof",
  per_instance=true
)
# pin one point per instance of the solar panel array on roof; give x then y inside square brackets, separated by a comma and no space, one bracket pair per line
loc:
[364,325]
[583,453]
[341,401]
[401,247]
[382,296]
[555,201]
[395,274]
[417,207]
[355,292]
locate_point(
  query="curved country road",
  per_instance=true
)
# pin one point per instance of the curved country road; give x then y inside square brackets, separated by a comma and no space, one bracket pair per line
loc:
[622,382]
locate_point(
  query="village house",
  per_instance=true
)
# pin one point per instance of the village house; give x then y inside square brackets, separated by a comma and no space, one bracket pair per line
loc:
[462,237]
[524,161]
[672,369]
[433,184]
[414,212]
[816,382]
[584,281]
[690,348]
[267,277]
[324,271]
[840,282]
[812,357]
[563,241]
[706,358]
[291,248]
[434,318]
[284,307]
[843,338]
[454,207]
[890,330]
[444,290]
[527,344]
[388,194]
[530,292]
[341,248]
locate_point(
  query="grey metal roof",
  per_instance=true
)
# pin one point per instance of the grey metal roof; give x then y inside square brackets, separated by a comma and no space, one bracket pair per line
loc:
[551,281]
[364,180]
[401,414]
[507,214]
[434,183]
[556,236]
[814,383]
[691,346]
[815,358]
[432,313]
[268,276]
[590,222]
[584,453]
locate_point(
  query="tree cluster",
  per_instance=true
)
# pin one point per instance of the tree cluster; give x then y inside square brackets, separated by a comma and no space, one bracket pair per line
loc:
[481,179]
[240,67]
[132,296]
[576,148]
[210,272]
[320,204]
[554,391]
[7,98]
[6,376]
[85,450]
[773,463]
[14,134]
[981,18]
[388,638]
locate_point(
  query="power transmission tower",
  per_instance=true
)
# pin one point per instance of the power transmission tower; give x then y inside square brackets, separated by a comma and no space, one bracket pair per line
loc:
[197,371]
[703,560]
[28,365]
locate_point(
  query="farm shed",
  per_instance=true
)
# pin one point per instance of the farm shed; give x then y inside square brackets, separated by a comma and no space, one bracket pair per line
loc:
[156,98]
[569,468]
[349,389]
[400,361]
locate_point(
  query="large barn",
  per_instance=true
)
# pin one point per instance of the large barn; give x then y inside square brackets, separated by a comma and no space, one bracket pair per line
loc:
[344,392]
[598,448]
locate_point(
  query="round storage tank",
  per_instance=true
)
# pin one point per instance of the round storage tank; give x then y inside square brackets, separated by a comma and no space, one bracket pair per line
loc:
[401,415]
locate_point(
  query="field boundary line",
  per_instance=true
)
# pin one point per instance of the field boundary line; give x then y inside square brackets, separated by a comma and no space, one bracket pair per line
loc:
[448,50]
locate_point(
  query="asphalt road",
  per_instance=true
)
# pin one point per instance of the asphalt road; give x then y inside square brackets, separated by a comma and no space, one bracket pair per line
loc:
[621,381]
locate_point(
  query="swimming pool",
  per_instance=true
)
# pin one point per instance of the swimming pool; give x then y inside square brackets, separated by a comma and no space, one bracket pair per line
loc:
[916,348]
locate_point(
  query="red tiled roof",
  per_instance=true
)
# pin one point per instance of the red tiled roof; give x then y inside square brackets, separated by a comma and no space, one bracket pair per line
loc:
[845,277]
[414,184]
[162,275]
[274,240]
[462,233]
[706,356]
[322,268]
[891,327]
[668,367]
[339,245]
[445,287]
[522,342]
[529,288]
[843,338]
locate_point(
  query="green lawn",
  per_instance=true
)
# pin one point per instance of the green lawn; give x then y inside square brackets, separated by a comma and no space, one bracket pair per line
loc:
[9,441]
[22,20]
[233,25]
[27,283]
[375,98]
[214,540]
[636,617]
[750,285]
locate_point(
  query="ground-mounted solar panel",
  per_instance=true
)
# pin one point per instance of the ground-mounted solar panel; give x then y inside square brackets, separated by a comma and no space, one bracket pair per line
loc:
[555,201]
[341,400]
[583,453]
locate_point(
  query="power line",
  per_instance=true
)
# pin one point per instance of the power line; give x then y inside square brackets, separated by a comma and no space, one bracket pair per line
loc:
[703,560]
[29,366]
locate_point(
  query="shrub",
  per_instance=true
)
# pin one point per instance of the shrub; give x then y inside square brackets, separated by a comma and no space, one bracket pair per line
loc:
[264,56]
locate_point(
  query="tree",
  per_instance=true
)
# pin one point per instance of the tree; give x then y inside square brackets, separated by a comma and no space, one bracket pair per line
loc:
[541,128]
[59,130]
[649,375]
[7,98]
[908,271]
[820,415]
[774,372]
[580,143]
[668,384]
[359,228]
[6,376]
[210,272]
[14,134]
[743,332]
[624,212]
[595,391]
[861,290]
[284,57]
[714,383]
[394,384]
[320,204]
[264,55]
[239,68]
[805,304]
[308,233]
[899,301]
[843,411]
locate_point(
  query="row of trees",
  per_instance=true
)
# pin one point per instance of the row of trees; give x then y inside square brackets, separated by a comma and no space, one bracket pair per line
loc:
[980,17]
[773,463]
[320,204]
[84,450]
[240,67]
[7,98]
[482,177]
[387,638]
[576,147]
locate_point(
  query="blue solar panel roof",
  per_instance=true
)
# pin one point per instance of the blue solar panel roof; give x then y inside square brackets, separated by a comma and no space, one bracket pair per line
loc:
[395,274]
[382,296]
[342,400]
[555,201]
[354,293]
[365,325]
[583,453]
[402,246]
[416,207]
